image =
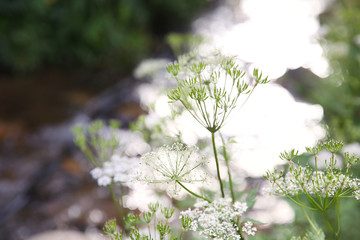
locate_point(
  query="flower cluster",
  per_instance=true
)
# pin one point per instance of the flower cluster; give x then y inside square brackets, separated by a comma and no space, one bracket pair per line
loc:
[209,87]
[115,170]
[303,179]
[330,182]
[218,219]
[173,165]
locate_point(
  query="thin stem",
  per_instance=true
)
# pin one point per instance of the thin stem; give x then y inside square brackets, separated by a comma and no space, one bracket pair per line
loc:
[326,203]
[217,164]
[252,90]
[149,230]
[182,232]
[338,215]
[329,225]
[317,181]
[215,113]
[192,114]
[206,113]
[192,193]
[309,220]
[297,202]
[203,113]
[228,169]
[238,223]
[91,157]
[154,225]
[118,207]
[121,199]
[311,200]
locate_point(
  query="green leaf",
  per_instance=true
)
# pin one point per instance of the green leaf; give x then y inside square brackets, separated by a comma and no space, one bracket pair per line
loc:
[251,197]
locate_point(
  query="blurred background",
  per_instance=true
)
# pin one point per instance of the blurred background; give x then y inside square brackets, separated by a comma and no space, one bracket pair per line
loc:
[64,62]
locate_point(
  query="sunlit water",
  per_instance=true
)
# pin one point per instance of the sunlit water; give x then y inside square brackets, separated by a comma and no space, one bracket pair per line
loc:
[274,35]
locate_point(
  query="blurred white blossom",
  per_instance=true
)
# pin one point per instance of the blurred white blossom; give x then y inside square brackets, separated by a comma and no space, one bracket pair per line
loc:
[117,169]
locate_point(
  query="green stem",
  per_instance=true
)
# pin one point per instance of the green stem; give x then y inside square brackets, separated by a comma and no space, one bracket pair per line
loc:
[297,202]
[228,169]
[181,235]
[121,199]
[118,207]
[338,215]
[192,193]
[238,223]
[217,164]
[91,157]
[203,113]
[329,225]
[149,230]
[252,90]
[154,225]
[192,114]
[309,220]
[311,200]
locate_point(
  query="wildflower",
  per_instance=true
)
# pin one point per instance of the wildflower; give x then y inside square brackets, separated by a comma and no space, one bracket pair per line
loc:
[249,229]
[174,165]
[216,220]
[325,183]
[330,182]
[104,180]
[115,170]
[96,173]
[240,207]
[209,87]
[357,194]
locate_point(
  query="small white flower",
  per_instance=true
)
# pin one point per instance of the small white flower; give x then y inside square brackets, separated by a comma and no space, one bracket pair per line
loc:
[96,173]
[249,229]
[357,194]
[120,177]
[201,204]
[116,169]
[104,181]
[108,169]
[326,183]
[115,158]
[240,207]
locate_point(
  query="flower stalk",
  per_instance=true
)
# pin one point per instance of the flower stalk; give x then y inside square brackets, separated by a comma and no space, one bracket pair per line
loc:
[217,164]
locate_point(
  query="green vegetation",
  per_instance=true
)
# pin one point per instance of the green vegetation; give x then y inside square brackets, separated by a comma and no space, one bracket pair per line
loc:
[339,94]
[97,33]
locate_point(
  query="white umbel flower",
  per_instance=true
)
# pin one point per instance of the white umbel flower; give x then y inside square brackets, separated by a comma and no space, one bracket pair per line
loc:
[217,220]
[171,165]
[325,183]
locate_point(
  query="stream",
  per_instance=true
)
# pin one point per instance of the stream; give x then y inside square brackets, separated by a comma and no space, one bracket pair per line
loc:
[44,179]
